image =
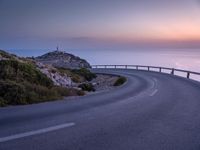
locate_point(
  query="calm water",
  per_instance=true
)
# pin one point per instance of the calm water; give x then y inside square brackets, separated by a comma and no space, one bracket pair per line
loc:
[188,59]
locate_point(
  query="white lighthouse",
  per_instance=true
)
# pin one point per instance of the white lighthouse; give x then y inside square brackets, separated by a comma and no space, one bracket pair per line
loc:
[57,48]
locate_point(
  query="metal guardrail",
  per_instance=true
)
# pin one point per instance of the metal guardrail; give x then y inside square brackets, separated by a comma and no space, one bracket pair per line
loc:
[137,67]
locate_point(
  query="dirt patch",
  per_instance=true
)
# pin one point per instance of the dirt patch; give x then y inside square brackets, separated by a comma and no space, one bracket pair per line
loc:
[104,82]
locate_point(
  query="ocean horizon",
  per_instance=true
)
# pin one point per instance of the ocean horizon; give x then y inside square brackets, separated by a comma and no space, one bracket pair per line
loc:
[187,59]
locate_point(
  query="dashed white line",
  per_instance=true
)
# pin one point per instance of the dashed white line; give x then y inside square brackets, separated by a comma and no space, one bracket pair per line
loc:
[154,92]
[40,131]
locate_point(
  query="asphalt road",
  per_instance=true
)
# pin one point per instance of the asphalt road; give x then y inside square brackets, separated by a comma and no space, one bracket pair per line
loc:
[151,111]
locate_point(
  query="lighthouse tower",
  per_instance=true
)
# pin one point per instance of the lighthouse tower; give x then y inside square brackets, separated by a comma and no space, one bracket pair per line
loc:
[57,48]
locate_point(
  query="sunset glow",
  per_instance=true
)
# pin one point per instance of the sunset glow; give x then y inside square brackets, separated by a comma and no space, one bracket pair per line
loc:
[98,22]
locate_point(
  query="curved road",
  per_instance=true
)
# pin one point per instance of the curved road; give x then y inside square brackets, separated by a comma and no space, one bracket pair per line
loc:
[152,111]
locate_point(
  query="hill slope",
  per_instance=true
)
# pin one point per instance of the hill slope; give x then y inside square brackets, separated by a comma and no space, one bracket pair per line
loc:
[22,83]
[63,60]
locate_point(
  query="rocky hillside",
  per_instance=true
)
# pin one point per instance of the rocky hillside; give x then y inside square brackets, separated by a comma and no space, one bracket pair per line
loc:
[62,59]
[28,80]
[58,78]
[24,81]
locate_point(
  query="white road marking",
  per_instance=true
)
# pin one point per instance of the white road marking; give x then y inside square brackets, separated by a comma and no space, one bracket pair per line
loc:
[40,131]
[154,92]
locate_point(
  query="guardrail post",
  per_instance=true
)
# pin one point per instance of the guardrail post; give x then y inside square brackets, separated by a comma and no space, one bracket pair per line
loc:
[188,75]
[172,71]
[126,66]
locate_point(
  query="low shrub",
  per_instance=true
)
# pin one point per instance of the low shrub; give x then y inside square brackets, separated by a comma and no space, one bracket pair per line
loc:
[18,71]
[2,102]
[78,75]
[120,81]
[68,91]
[25,93]
[87,87]
[87,74]
[12,93]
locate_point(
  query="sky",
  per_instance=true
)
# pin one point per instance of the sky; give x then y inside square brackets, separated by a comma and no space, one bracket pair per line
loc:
[99,24]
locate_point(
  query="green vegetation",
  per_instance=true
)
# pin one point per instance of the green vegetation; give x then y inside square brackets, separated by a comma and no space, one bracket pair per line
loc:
[87,87]
[120,81]
[78,75]
[6,55]
[75,77]
[22,83]
[21,72]
[85,73]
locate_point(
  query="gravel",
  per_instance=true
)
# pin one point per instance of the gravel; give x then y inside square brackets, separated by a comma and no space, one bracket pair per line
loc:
[104,82]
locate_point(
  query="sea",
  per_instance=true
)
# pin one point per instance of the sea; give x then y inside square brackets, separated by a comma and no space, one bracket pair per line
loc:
[186,59]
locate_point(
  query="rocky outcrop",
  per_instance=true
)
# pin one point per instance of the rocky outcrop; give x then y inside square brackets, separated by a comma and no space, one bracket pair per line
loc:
[63,60]
[63,80]
[26,81]
[58,79]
